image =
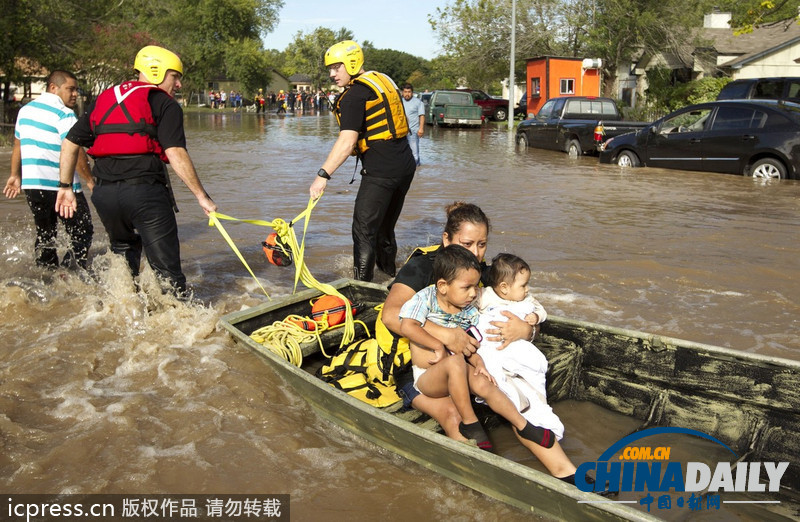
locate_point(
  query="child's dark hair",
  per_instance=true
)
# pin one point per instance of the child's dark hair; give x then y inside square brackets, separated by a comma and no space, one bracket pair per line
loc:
[459,213]
[450,260]
[505,267]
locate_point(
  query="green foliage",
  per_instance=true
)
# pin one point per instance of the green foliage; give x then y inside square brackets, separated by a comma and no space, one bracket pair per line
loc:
[748,14]
[99,40]
[400,66]
[306,53]
[665,95]
[475,38]
[35,33]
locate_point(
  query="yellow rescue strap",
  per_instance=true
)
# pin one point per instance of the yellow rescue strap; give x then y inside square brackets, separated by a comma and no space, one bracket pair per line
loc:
[287,234]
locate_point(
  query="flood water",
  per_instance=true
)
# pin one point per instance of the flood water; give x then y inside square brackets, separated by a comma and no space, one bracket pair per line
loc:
[104,389]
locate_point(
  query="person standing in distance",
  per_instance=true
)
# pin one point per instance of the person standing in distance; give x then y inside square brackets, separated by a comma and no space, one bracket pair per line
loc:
[41,127]
[373,126]
[133,130]
[415,112]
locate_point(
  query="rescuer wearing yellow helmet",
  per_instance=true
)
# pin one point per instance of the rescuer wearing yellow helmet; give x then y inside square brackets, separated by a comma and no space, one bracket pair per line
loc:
[373,126]
[132,131]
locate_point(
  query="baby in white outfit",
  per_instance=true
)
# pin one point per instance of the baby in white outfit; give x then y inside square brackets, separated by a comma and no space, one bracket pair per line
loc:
[520,368]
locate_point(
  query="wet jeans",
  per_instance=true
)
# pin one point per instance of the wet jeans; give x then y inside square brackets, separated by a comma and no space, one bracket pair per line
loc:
[79,228]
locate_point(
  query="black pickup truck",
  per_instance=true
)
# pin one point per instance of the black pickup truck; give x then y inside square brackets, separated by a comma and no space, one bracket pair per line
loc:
[574,124]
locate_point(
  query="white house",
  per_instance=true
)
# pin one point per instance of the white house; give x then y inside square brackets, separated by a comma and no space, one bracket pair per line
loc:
[770,50]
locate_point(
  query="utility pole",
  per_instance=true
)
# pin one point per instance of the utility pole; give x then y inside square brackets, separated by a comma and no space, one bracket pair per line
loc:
[511,68]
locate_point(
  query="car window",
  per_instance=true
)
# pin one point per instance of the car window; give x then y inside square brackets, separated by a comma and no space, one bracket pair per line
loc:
[734,118]
[769,89]
[794,90]
[734,90]
[687,121]
[609,110]
[547,110]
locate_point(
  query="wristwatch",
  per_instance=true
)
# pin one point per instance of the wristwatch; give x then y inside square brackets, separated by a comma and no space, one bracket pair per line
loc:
[64,185]
[323,174]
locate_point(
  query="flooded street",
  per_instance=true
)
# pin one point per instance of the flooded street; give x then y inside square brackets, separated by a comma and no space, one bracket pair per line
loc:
[106,390]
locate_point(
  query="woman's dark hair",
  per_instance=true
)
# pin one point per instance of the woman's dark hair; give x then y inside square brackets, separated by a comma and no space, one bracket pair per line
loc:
[505,267]
[450,260]
[459,213]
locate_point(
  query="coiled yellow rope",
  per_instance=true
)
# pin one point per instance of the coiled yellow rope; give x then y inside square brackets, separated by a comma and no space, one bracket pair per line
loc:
[284,338]
[288,345]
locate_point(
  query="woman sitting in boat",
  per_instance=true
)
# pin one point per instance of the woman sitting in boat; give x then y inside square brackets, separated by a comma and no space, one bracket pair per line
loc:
[450,303]
[467,226]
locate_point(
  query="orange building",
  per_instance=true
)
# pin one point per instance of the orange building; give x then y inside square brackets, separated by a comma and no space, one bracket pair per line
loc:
[553,76]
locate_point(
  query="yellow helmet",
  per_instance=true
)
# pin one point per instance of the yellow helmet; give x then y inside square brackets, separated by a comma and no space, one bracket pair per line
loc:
[154,61]
[347,52]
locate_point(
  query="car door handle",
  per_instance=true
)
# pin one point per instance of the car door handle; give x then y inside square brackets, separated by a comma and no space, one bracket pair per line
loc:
[695,140]
[748,137]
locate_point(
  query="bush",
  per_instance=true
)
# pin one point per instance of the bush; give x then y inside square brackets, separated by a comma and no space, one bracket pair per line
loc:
[665,94]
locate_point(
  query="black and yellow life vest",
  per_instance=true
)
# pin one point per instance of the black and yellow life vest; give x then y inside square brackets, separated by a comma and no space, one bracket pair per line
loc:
[385,115]
[365,369]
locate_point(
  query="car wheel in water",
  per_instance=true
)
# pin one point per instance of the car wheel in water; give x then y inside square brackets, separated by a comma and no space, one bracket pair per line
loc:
[627,158]
[574,148]
[768,168]
[522,140]
[500,114]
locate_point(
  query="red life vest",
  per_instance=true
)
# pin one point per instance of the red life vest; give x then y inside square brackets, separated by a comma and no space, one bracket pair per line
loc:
[123,122]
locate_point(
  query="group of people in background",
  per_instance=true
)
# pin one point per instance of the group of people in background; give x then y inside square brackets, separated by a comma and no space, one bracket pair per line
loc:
[222,99]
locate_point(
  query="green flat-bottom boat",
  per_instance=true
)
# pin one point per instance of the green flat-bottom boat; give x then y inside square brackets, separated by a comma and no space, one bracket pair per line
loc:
[749,402]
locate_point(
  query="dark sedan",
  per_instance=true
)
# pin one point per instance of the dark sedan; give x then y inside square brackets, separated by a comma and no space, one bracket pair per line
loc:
[758,138]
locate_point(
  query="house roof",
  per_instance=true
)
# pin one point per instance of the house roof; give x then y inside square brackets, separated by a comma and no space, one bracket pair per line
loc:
[752,46]
[300,78]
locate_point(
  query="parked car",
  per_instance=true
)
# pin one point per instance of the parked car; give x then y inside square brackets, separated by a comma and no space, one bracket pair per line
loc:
[574,124]
[426,100]
[522,107]
[756,138]
[762,88]
[453,108]
[493,108]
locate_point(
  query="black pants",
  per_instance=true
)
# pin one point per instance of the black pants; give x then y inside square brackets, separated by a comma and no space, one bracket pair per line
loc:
[139,215]
[79,228]
[378,206]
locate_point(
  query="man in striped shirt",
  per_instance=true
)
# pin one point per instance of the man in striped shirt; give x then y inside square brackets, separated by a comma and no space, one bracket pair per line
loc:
[41,127]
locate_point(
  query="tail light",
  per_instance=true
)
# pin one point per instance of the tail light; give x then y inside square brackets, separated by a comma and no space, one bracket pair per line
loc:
[599,132]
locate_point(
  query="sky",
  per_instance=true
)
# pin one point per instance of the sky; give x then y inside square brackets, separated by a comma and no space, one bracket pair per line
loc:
[402,25]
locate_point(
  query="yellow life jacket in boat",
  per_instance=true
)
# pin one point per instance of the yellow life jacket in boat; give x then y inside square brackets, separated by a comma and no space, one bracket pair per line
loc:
[385,115]
[364,369]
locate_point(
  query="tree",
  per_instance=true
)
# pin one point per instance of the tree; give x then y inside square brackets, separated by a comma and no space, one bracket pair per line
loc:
[475,36]
[99,39]
[398,65]
[749,14]
[36,34]
[621,30]
[306,54]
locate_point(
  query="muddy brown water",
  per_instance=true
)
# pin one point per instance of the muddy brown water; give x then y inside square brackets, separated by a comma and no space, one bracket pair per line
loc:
[104,389]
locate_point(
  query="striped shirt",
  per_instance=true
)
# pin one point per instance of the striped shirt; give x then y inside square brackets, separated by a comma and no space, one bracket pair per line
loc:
[425,307]
[41,127]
